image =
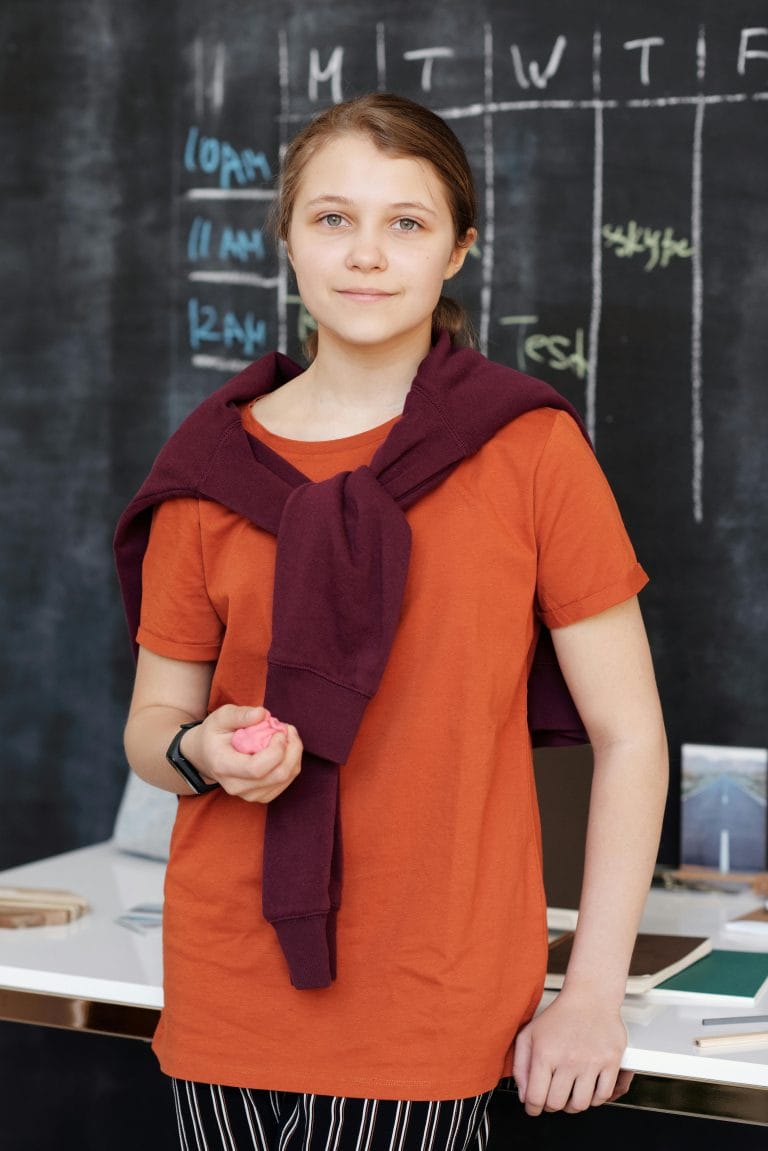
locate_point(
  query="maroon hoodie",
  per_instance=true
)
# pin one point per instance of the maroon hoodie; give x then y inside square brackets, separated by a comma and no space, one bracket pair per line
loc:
[343,548]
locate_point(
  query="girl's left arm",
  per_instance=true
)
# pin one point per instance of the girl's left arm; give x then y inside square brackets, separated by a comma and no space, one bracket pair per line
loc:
[568,1057]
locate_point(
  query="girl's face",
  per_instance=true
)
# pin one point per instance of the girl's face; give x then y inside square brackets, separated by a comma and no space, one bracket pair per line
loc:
[371,241]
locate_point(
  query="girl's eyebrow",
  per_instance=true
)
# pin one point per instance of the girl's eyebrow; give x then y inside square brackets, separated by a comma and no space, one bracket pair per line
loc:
[400,205]
[416,204]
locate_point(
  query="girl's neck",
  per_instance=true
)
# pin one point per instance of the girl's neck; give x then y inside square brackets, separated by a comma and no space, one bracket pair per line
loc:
[343,392]
[364,379]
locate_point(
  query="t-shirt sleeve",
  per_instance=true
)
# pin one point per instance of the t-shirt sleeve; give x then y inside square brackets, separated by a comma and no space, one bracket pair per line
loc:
[177,618]
[586,562]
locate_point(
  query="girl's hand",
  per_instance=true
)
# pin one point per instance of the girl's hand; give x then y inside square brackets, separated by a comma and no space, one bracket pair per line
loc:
[256,778]
[567,1058]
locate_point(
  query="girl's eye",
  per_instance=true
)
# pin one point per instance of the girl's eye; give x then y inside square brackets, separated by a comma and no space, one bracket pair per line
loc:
[406,224]
[332,219]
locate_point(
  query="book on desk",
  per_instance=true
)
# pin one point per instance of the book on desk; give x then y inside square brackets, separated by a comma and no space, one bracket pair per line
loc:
[725,977]
[655,957]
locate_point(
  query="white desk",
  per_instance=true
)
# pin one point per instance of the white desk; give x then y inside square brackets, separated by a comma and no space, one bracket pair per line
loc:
[96,975]
[664,1043]
[92,974]
[731,1084]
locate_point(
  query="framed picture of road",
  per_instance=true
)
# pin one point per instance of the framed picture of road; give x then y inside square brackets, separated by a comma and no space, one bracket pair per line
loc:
[723,820]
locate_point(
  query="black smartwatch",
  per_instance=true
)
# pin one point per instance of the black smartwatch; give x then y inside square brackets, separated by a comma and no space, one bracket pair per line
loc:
[182,764]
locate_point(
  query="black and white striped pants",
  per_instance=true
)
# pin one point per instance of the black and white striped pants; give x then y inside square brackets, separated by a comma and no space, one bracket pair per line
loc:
[214,1118]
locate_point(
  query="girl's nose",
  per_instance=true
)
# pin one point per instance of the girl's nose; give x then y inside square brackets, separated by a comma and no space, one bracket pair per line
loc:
[365,252]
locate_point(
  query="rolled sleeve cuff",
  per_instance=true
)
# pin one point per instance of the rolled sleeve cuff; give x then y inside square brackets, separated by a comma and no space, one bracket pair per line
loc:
[614,593]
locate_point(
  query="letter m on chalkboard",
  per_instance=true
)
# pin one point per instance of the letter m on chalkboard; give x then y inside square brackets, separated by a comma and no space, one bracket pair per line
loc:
[332,72]
[535,75]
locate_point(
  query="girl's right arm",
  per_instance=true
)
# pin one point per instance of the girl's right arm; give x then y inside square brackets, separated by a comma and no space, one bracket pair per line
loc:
[170,692]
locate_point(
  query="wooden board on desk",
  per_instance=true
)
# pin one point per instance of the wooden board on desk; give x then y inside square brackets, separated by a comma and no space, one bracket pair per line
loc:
[39,907]
[693,873]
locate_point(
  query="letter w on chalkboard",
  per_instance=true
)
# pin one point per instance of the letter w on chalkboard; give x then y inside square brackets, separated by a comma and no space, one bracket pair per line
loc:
[539,78]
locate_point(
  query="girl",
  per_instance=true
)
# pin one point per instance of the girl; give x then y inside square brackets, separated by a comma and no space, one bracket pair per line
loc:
[372,549]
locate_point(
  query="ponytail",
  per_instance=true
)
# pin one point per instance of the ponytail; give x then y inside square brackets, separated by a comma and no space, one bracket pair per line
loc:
[451,317]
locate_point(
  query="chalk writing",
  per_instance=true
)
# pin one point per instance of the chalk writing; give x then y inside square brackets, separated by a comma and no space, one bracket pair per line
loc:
[208,326]
[305,323]
[747,53]
[530,74]
[332,72]
[241,244]
[645,49]
[428,55]
[217,157]
[661,245]
[199,239]
[537,77]
[214,89]
[563,353]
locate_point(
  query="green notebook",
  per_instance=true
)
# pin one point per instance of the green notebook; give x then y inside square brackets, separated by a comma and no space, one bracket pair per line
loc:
[721,977]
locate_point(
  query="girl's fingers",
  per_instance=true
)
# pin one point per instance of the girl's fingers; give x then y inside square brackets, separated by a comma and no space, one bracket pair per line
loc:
[230,716]
[622,1085]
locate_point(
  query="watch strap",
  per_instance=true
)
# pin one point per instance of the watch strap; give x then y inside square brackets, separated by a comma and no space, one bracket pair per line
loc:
[180,762]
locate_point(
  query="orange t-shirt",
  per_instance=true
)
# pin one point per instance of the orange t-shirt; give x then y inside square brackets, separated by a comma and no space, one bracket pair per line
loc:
[441,935]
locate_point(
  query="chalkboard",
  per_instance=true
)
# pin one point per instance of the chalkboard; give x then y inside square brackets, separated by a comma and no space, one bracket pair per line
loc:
[621,156]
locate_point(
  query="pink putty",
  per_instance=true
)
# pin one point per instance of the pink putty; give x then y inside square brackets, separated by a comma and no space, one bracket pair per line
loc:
[257,736]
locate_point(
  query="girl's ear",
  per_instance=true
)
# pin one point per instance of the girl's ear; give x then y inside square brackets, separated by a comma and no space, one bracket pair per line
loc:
[459,253]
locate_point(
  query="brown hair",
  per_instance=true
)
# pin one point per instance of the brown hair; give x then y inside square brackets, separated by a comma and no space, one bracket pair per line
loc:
[399,127]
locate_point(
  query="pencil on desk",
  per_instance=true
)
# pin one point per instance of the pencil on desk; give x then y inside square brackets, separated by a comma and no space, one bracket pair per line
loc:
[721,1019]
[734,1039]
